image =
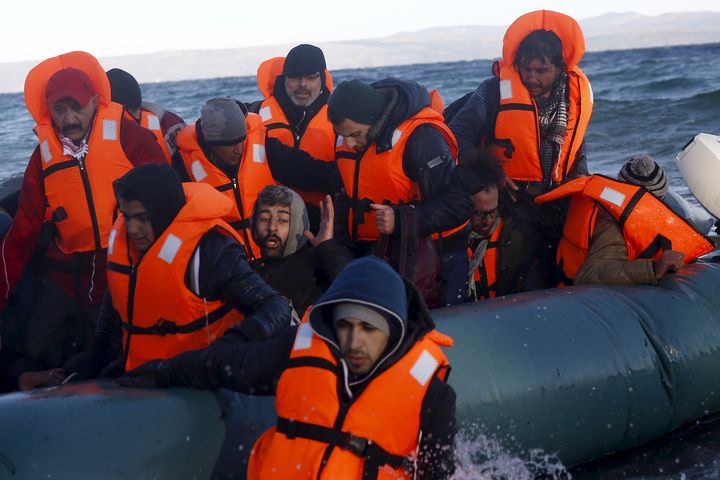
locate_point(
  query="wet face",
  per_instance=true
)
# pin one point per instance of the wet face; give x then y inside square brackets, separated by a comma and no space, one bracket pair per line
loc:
[137,223]
[355,134]
[272,228]
[361,344]
[71,119]
[539,76]
[229,154]
[303,90]
[485,205]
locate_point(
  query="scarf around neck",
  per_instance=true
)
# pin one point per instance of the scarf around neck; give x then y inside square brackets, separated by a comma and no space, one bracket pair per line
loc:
[478,256]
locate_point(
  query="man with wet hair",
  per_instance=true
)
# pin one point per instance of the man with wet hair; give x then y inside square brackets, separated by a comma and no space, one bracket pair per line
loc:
[532,113]
[501,240]
[360,384]
[537,87]
[294,261]
[84,144]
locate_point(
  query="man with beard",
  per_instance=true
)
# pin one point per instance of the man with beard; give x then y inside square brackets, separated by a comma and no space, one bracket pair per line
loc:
[360,385]
[178,277]
[296,90]
[299,270]
[84,144]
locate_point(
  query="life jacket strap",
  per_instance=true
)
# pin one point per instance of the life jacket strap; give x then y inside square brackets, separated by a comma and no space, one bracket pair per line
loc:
[167,327]
[374,455]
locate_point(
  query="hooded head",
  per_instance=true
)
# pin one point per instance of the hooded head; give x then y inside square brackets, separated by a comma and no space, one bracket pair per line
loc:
[643,171]
[354,108]
[278,222]
[124,88]
[156,189]
[373,285]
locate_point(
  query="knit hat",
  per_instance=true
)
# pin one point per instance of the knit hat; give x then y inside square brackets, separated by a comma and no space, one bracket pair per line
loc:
[124,88]
[357,101]
[643,171]
[361,312]
[69,83]
[304,60]
[222,121]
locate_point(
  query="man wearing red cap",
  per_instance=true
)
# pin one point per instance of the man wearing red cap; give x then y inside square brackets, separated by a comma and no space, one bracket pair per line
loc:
[66,203]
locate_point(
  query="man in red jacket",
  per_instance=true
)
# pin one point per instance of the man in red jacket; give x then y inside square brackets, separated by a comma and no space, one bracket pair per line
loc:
[84,144]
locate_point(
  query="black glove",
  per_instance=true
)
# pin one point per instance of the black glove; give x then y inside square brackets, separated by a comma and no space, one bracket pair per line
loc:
[144,376]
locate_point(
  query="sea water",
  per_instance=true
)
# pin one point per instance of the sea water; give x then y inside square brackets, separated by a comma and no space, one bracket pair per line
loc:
[649,101]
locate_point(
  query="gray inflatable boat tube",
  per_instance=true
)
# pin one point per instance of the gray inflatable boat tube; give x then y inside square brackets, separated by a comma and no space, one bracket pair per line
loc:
[581,372]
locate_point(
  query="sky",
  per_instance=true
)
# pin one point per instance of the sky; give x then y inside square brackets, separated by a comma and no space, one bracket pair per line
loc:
[37,29]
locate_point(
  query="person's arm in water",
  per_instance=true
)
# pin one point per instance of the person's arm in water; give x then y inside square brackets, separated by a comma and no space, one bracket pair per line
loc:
[225,274]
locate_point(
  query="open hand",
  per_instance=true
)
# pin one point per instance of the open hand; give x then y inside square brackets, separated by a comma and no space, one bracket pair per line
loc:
[327,217]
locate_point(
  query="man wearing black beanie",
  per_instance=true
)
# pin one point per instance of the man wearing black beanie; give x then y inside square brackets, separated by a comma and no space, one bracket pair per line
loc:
[178,276]
[296,90]
[393,150]
[164,124]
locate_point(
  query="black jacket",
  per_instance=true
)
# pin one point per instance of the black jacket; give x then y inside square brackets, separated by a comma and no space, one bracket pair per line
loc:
[224,274]
[303,276]
[262,364]
[427,160]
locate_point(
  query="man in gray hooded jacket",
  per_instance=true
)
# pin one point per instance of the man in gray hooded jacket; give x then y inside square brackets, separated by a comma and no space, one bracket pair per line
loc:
[295,262]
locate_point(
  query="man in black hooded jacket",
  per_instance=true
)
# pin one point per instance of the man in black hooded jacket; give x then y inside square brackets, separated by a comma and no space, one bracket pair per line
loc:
[153,195]
[367,307]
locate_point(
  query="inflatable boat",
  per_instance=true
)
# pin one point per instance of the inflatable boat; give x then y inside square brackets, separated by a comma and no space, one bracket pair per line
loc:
[580,372]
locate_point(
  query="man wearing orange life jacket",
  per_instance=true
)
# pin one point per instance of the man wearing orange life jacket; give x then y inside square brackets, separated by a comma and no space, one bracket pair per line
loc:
[360,385]
[621,234]
[296,89]
[533,113]
[501,241]
[164,124]
[225,148]
[535,109]
[84,144]
[393,151]
[178,277]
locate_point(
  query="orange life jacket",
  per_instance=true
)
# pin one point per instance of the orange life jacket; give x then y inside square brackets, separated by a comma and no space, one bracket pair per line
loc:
[517,135]
[78,193]
[318,139]
[372,177]
[486,273]
[648,225]
[253,174]
[152,121]
[161,317]
[377,433]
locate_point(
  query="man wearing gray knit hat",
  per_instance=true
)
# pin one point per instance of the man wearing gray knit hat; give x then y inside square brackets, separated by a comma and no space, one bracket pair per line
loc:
[643,171]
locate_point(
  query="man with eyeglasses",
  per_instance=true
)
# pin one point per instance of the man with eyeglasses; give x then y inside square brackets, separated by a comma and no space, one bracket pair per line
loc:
[532,114]
[296,90]
[501,240]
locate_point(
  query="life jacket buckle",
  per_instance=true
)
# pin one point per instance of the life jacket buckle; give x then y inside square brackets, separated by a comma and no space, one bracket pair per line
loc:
[356,445]
[166,327]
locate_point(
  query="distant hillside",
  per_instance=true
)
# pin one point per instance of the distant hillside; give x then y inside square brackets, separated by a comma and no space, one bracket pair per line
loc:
[614,31]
